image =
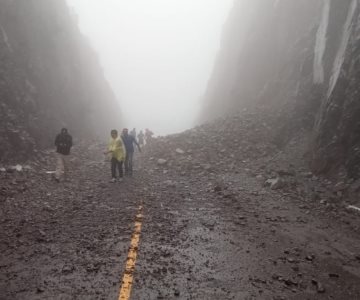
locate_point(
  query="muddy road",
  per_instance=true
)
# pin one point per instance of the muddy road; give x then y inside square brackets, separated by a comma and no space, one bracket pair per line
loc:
[219,236]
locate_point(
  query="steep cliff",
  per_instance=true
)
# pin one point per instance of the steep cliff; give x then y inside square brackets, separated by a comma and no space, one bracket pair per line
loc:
[49,78]
[301,59]
[337,126]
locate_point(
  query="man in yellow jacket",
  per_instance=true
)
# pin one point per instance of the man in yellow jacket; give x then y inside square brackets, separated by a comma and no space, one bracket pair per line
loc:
[117,150]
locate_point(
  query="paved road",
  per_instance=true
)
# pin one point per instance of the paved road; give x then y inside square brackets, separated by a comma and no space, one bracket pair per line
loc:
[221,236]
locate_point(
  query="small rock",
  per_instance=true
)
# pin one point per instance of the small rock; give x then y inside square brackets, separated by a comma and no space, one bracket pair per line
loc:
[260,177]
[67,269]
[207,167]
[310,257]
[170,183]
[17,168]
[161,162]
[275,184]
[320,288]
[179,151]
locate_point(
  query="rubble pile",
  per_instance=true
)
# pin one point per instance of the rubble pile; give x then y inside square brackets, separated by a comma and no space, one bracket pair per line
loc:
[223,145]
[247,142]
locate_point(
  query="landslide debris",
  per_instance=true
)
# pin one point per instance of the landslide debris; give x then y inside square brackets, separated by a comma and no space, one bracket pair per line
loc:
[248,142]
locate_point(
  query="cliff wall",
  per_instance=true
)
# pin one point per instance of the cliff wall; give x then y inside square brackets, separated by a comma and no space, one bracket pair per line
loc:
[49,78]
[301,59]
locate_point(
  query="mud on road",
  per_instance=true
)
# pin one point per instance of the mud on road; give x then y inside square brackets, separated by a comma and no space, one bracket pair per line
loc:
[219,236]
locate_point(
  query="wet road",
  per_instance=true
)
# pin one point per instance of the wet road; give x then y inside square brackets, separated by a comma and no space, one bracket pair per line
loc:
[222,236]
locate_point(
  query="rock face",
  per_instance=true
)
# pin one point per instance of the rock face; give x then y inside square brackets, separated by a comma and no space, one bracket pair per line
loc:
[49,78]
[301,59]
[337,127]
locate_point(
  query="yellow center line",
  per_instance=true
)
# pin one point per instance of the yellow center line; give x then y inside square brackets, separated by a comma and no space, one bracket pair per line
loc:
[127,280]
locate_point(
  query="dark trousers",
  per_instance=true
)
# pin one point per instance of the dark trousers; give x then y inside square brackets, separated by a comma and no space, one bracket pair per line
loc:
[129,162]
[116,164]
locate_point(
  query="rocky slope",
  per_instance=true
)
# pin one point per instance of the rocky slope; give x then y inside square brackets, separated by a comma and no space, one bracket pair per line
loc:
[300,59]
[49,78]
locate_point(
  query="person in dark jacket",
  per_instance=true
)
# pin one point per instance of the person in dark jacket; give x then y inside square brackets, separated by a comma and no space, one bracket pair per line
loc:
[63,143]
[129,142]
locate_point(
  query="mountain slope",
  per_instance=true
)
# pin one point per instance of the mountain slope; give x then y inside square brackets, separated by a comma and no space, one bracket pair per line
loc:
[300,59]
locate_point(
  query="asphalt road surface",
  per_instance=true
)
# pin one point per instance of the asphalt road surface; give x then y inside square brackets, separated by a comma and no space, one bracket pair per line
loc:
[222,236]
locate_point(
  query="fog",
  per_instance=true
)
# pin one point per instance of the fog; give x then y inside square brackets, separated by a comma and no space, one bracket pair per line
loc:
[156,54]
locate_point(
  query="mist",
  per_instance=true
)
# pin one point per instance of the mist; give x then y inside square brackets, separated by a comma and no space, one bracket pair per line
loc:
[157,55]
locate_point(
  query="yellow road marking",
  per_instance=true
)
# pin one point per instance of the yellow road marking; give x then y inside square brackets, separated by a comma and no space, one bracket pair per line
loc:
[127,280]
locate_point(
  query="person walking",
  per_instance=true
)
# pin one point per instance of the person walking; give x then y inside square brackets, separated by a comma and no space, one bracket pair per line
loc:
[141,138]
[133,132]
[117,150]
[129,142]
[148,135]
[63,143]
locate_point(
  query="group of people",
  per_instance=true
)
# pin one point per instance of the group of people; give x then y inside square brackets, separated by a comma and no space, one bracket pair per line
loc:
[120,149]
[143,137]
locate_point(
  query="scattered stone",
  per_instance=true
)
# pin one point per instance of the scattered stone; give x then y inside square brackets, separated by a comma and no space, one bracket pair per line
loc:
[353,207]
[319,287]
[310,257]
[17,168]
[260,177]
[275,184]
[162,162]
[207,167]
[170,183]
[179,151]
[67,269]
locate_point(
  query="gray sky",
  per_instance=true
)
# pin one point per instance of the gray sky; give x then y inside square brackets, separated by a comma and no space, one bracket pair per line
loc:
[156,54]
